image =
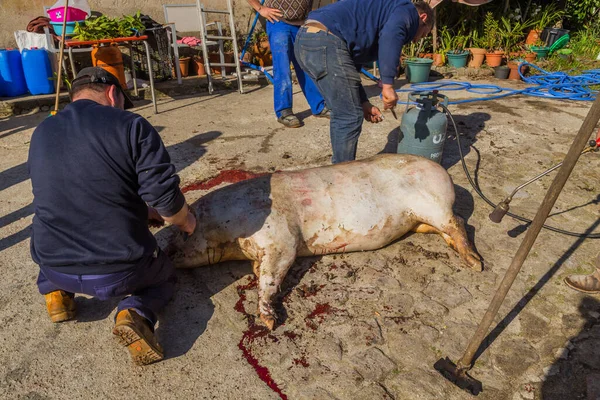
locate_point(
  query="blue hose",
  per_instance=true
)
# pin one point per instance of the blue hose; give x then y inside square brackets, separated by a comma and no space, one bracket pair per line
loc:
[552,85]
[243,52]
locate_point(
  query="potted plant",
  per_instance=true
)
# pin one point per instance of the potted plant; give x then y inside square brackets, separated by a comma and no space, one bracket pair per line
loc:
[417,69]
[542,18]
[511,34]
[492,41]
[262,49]
[477,50]
[457,57]
[540,50]
[444,46]
[198,65]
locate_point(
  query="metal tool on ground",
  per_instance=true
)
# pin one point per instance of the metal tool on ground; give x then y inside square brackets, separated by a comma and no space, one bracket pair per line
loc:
[503,207]
[423,127]
[60,59]
[457,373]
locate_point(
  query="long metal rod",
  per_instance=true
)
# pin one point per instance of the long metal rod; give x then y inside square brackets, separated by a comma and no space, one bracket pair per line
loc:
[60,57]
[542,175]
[554,191]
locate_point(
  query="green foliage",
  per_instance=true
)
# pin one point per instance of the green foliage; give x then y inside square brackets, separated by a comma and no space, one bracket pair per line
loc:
[584,43]
[103,27]
[581,12]
[492,36]
[546,17]
[512,32]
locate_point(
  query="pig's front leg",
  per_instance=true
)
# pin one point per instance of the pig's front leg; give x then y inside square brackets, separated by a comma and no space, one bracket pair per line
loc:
[272,269]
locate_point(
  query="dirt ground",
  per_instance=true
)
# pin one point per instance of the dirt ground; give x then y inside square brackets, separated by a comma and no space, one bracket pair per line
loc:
[357,326]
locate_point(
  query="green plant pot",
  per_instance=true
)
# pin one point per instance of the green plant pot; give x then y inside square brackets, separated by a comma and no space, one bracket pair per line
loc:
[417,69]
[457,58]
[542,52]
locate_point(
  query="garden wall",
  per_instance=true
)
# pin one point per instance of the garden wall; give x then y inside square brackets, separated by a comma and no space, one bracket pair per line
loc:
[16,14]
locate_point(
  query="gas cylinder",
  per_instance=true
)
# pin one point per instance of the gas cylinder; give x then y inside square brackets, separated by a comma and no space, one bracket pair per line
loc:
[423,126]
[110,59]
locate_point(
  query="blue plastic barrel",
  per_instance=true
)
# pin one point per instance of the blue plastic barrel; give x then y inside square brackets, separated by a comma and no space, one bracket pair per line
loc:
[38,71]
[11,73]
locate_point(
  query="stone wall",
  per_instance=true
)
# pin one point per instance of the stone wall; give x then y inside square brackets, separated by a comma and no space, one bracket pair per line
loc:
[15,14]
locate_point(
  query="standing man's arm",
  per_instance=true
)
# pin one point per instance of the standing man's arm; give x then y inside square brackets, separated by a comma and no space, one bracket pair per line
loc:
[392,38]
[271,14]
[157,180]
[370,112]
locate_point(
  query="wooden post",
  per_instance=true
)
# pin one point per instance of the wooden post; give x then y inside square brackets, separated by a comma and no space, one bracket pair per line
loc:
[434,30]
[60,58]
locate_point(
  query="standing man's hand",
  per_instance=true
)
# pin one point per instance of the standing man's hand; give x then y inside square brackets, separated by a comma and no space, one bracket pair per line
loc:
[371,113]
[389,97]
[271,14]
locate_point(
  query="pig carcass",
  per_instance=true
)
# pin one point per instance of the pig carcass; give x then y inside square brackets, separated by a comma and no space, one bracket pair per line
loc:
[353,206]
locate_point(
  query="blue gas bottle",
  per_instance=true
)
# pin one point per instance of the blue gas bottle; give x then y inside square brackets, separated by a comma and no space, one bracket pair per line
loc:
[38,71]
[12,79]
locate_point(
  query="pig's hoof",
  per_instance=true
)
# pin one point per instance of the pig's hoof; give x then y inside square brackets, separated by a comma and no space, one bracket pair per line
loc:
[268,320]
[474,262]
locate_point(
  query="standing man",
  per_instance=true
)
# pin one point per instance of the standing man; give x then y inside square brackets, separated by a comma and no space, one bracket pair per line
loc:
[338,39]
[99,175]
[284,18]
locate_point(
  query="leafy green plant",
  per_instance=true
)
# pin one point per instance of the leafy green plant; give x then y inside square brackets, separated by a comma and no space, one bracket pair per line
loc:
[580,12]
[547,16]
[492,34]
[103,27]
[512,33]
[446,41]
[584,43]
[476,40]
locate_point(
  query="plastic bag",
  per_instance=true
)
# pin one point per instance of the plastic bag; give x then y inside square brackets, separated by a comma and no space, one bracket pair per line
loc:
[79,4]
[28,40]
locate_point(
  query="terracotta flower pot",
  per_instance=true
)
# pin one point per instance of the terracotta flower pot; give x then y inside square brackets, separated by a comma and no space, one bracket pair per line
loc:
[494,59]
[533,36]
[478,55]
[530,57]
[514,70]
[184,66]
[198,66]
[438,60]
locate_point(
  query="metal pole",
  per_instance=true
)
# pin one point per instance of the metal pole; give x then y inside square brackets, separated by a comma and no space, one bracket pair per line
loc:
[580,141]
[60,58]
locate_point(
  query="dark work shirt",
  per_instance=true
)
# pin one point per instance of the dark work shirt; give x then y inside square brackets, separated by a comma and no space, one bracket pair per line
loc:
[372,29]
[93,169]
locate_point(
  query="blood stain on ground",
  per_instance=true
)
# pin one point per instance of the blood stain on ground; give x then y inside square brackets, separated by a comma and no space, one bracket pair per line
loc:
[301,361]
[319,313]
[225,176]
[251,334]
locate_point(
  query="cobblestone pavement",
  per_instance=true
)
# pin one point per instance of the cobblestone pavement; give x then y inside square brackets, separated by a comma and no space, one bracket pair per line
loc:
[364,325]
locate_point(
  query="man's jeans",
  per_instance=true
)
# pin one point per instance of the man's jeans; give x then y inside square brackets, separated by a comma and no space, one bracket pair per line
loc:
[326,59]
[150,285]
[281,39]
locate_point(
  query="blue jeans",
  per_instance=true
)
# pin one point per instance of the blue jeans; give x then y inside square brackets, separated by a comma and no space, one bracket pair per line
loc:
[281,39]
[326,59]
[150,285]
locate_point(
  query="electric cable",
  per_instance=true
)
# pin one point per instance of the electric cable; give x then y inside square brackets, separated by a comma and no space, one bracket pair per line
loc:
[491,203]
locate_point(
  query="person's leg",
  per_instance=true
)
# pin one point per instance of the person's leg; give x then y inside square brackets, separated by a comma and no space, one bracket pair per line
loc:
[309,88]
[280,40]
[327,61]
[59,303]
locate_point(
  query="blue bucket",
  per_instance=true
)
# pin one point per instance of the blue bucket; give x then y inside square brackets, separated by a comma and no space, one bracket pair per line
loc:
[70,28]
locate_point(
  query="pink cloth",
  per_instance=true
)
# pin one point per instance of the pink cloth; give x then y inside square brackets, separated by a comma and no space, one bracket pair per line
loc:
[190,41]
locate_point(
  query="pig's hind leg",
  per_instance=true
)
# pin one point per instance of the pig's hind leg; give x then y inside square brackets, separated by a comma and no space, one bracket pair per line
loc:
[271,270]
[455,235]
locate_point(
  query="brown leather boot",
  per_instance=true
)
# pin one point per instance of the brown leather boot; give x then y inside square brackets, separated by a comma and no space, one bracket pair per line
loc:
[585,283]
[134,331]
[61,306]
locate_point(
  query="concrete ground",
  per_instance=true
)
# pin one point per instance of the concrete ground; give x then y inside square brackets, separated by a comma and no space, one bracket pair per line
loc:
[359,326]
